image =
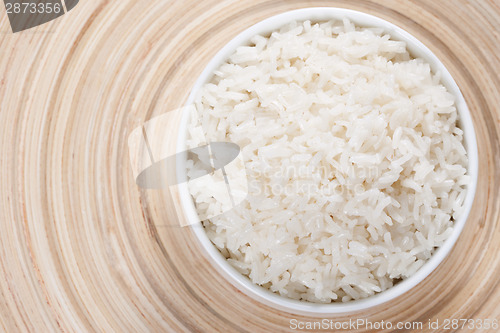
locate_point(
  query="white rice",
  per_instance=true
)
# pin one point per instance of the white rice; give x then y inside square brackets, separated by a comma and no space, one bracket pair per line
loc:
[355,162]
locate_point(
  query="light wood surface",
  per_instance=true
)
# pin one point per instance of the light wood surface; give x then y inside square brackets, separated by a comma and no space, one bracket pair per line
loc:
[82,248]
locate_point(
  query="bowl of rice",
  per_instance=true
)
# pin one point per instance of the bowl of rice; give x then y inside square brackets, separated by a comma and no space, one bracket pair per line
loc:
[356,165]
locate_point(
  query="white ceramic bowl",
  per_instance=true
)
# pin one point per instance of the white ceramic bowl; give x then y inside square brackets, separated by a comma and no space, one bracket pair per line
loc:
[417,49]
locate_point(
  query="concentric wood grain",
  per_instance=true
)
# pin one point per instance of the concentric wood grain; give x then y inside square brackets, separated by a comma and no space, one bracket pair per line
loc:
[82,248]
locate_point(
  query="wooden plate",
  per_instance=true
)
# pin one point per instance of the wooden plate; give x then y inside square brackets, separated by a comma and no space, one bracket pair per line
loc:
[84,249]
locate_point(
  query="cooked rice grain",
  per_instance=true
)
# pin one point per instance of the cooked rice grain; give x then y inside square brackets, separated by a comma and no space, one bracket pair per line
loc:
[355,162]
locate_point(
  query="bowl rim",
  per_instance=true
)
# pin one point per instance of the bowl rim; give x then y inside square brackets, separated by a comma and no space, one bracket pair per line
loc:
[416,49]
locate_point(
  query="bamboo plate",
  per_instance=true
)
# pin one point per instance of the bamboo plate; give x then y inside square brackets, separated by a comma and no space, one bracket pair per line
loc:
[84,249]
